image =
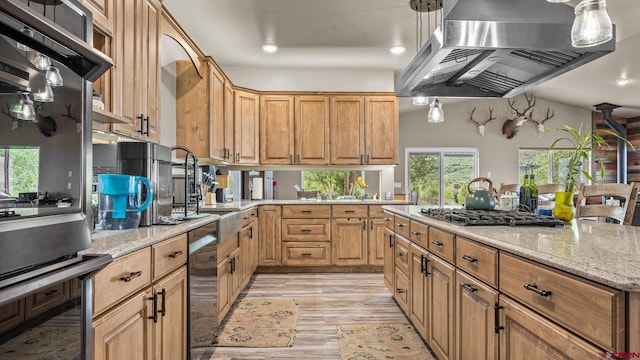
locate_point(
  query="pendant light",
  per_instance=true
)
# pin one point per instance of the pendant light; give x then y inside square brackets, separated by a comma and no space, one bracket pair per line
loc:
[27,110]
[53,76]
[436,114]
[40,61]
[592,25]
[421,100]
[45,94]
[25,30]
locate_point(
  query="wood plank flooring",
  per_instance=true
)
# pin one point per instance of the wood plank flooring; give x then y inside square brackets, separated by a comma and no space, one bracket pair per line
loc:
[325,301]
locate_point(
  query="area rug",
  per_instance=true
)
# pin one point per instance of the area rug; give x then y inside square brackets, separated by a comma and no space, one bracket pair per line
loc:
[380,341]
[260,323]
[203,323]
[44,342]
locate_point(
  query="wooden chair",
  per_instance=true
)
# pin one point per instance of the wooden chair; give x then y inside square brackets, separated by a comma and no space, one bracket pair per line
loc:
[508,187]
[626,191]
[547,189]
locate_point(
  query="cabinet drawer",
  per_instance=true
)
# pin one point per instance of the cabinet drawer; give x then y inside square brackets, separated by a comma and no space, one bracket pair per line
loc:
[228,245]
[442,243]
[591,310]
[11,315]
[419,234]
[306,211]
[168,255]
[478,260]
[306,253]
[349,211]
[306,229]
[402,290]
[389,221]
[375,211]
[121,278]
[401,226]
[401,254]
[249,215]
[47,299]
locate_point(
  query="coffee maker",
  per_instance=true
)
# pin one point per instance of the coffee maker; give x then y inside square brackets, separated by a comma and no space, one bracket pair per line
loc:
[154,162]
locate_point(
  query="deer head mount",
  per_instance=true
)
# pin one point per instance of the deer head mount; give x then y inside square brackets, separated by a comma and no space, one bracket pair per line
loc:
[68,115]
[480,125]
[510,127]
[540,124]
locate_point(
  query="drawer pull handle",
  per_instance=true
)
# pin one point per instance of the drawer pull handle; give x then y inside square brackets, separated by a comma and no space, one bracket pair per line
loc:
[399,253]
[306,254]
[496,318]
[154,298]
[535,289]
[175,254]
[400,291]
[306,211]
[163,307]
[305,230]
[469,287]
[349,211]
[51,292]
[424,264]
[469,258]
[416,233]
[391,240]
[400,225]
[131,276]
[436,242]
[388,219]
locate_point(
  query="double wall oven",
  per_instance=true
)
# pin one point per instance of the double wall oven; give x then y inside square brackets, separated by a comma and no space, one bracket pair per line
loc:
[47,65]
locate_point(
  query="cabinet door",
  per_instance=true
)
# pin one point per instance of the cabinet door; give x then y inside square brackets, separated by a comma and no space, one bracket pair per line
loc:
[149,94]
[381,130]
[102,11]
[349,241]
[419,290]
[127,85]
[254,236]
[376,241]
[192,122]
[216,113]
[235,262]
[389,256]
[11,315]
[442,314]
[270,232]
[125,332]
[246,128]
[224,291]
[276,130]
[245,260]
[312,130]
[527,335]
[347,130]
[229,121]
[475,331]
[171,329]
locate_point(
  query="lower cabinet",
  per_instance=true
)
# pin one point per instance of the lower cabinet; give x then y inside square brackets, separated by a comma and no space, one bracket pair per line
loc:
[388,266]
[270,230]
[376,239]
[170,319]
[249,246]
[349,238]
[419,290]
[442,315]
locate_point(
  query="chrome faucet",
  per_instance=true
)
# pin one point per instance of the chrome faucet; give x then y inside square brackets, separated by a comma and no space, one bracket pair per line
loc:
[186,177]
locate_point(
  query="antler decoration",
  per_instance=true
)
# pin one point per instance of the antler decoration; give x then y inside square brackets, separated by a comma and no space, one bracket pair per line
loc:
[510,127]
[68,115]
[480,125]
[540,124]
[15,122]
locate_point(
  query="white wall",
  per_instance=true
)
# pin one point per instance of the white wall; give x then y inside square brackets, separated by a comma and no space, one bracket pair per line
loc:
[498,155]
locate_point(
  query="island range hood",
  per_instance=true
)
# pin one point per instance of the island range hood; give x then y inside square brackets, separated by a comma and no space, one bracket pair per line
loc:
[494,49]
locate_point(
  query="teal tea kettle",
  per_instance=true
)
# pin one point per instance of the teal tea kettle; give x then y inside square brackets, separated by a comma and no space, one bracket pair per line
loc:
[480,198]
[118,200]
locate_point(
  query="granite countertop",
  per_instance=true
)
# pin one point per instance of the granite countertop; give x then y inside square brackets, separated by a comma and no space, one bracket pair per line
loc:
[121,242]
[605,253]
[247,204]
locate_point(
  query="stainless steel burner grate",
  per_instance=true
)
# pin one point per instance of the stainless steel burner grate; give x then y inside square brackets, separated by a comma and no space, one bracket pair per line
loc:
[490,217]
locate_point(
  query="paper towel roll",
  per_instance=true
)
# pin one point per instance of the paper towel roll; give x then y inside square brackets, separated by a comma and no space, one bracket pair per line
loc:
[257,188]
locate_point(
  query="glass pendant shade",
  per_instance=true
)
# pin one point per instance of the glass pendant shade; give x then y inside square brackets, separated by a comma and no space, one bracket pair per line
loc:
[45,94]
[420,100]
[592,25]
[436,114]
[28,112]
[27,32]
[53,76]
[16,108]
[41,62]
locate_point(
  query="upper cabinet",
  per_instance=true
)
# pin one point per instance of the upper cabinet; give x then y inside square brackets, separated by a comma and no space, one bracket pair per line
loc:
[137,70]
[347,130]
[247,141]
[381,130]
[229,129]
[216,113]
[277,128]
[312,130]
[102,11]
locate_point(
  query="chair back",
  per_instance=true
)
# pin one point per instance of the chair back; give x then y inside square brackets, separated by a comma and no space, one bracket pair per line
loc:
[546,189]
[508,188]
[624,191]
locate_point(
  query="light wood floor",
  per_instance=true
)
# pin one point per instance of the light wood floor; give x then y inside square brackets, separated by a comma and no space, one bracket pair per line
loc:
[325,301]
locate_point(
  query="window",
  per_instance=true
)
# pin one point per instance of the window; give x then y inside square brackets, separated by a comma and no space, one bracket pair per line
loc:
[333,183]
[548,166]
[440,176]
[19,169]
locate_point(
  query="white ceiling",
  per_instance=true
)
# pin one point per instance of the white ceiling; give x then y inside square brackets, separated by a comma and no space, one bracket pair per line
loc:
[357,34]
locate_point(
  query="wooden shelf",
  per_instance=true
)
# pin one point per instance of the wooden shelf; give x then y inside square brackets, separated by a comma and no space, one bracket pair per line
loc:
[107,117]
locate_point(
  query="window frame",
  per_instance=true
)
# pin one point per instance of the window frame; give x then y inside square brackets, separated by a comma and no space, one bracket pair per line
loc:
[586,164]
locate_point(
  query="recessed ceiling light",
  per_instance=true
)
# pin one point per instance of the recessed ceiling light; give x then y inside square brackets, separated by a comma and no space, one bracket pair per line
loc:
[623,81]
[397,50]
[270,48]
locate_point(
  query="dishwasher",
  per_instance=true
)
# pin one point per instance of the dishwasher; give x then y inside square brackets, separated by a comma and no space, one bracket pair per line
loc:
[202,278]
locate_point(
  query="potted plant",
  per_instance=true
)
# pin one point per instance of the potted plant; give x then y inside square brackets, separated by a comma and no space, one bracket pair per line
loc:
[582,144]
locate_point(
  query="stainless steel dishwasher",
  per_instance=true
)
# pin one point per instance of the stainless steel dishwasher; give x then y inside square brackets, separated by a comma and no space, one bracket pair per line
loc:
[203,278]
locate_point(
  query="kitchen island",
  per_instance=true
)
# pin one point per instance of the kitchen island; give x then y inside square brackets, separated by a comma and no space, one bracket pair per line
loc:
[573,290]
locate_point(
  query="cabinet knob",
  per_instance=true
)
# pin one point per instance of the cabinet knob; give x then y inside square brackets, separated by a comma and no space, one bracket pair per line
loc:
[131,276]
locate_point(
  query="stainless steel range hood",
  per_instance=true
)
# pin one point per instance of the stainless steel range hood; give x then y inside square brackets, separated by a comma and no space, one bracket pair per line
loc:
[496,48]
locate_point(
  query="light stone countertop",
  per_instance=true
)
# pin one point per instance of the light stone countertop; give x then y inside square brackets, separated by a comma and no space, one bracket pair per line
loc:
[605,253]
[247,204]
[121,242]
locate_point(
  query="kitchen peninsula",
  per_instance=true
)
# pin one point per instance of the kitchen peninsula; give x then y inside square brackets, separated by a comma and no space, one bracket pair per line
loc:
[531,290]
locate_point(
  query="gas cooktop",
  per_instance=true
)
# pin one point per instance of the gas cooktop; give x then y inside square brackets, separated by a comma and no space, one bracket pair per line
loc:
[490,217]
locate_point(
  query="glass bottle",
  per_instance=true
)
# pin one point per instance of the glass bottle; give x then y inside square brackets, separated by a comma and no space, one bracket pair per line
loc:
[534,194]
[525,194]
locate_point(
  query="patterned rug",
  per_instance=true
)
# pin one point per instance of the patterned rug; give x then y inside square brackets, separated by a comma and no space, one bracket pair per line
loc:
[381,341]
[43,342]
[260,323]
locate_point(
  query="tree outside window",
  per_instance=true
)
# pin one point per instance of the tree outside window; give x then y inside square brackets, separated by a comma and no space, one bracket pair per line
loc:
[548,166]
[19,169]
[333,183]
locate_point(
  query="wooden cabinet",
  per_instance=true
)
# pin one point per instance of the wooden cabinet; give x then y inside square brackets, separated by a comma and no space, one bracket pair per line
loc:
[476,337]
[277,127]
[246,124]
[137,80]
[229,121]
[402,291]
[102,11]
[249,245]
[376,241]
[442,314]
[349,235]
[270,235]
[11,315]
[306,235]
[419,290]
[388,266]
[229,273]
[311,130]
[170,324]
[364,130]
[477,260]
[442,243]
[306,253]
[216,113]
[527,335]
